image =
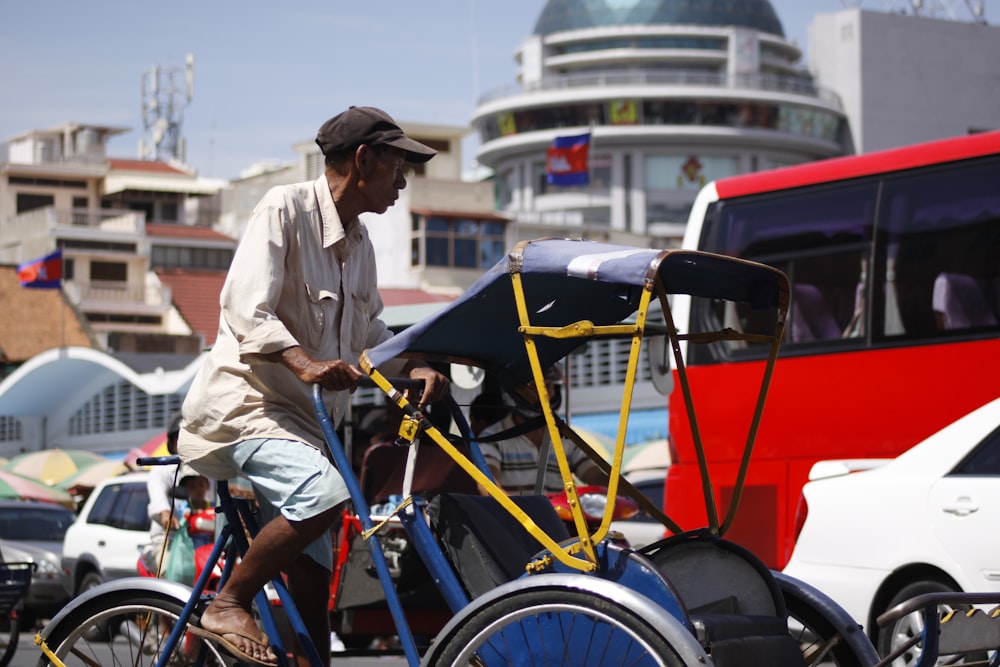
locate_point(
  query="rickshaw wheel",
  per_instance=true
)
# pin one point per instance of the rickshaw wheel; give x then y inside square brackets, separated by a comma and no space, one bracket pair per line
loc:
[553,626]
[827,635]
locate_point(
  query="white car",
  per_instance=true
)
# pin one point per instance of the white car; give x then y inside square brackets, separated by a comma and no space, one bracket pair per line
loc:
[923,522]
[104,541]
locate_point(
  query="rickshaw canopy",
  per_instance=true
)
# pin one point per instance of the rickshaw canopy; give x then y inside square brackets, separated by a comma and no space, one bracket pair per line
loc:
[567,281]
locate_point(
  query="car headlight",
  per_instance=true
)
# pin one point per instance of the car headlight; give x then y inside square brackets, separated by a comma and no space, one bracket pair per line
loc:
[47,568]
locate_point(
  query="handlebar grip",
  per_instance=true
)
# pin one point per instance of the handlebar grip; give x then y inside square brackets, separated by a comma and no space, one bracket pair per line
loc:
[173,459]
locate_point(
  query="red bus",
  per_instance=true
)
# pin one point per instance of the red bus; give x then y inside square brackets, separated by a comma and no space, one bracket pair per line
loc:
[894,260]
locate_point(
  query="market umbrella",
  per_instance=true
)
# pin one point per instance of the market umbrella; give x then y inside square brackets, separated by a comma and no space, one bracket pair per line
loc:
[93,475]
[155,446]
[16,487]
[51,466]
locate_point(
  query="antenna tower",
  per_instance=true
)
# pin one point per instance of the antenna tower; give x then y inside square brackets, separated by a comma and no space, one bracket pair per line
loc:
[166,91]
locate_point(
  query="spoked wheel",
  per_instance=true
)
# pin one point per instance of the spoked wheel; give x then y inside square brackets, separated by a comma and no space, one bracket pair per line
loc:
[10,630]
[552,626]
[903,630]
[138,623]
[826,633]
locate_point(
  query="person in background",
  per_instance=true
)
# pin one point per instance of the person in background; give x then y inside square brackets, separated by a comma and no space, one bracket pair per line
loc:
[514,460]
[485,410]
[299,305]
[159,488]
[199,502]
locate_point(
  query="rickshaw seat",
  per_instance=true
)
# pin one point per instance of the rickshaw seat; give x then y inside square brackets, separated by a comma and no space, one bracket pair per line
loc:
[486,545]
[733,601]
[384,464]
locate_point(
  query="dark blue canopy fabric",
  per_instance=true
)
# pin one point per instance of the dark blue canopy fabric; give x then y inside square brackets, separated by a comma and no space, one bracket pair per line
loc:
[566,281]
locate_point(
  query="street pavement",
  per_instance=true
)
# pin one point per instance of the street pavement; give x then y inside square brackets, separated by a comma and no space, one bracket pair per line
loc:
[27,656]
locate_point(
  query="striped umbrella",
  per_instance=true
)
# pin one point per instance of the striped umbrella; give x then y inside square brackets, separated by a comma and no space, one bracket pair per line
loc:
[93,475]
[51,466]
[155,446]
[16,487]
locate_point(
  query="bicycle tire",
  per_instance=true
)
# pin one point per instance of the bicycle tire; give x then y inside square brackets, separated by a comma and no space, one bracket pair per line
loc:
[827,635]
[10,631]
[550,626]
[139,621]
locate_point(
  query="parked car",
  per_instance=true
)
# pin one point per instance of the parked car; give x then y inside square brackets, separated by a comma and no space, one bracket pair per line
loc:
[923,522]
[33,532]
[104,541]
[646,469]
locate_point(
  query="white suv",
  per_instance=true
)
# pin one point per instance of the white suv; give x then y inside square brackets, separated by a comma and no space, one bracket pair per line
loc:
[104,541]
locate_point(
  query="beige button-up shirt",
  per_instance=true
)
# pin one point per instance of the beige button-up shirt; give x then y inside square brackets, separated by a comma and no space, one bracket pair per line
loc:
[299,277]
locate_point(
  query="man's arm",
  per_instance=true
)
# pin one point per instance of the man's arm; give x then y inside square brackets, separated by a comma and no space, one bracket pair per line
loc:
[334,374]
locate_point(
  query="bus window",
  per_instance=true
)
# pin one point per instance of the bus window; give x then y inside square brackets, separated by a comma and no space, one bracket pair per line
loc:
[943,263]
[820,237]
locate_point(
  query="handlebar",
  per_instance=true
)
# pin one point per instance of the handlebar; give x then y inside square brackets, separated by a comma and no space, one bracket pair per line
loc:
[401,383]
[172,459]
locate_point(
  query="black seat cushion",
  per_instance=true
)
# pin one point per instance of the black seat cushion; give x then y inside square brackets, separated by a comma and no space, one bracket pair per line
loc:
[486,545]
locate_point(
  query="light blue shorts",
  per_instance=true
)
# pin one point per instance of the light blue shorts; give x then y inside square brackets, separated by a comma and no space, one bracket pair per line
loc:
[294,479]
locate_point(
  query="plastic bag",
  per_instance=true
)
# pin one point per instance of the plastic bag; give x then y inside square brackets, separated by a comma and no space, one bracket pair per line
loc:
[180,559]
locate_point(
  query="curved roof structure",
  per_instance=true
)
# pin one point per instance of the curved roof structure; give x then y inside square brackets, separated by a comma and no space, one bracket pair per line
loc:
[565,15]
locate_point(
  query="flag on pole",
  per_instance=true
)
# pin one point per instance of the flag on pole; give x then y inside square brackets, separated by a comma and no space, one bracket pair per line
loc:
[566,163]
[43,273]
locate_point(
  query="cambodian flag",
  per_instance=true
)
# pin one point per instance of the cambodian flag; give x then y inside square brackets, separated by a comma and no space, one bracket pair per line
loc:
[566,163]
[44,272]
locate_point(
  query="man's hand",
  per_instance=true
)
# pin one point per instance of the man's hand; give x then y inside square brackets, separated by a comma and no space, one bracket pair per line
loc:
[435,384]
[333,375]
[167,519]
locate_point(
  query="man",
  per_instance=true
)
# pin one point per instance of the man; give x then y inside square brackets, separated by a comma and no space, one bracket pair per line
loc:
[159,488]
[514,459]
[299,305]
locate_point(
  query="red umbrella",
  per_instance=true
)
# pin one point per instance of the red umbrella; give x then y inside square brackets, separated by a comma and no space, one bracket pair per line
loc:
[155,446]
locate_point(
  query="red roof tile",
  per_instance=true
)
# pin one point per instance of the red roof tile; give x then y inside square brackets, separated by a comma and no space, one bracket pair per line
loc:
[145,165]
[393,296]
[195,294]
[35,320]
[164,230]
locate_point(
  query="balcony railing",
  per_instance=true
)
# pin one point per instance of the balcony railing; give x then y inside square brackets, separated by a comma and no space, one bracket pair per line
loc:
[31,223]
[112,292]
[766,82]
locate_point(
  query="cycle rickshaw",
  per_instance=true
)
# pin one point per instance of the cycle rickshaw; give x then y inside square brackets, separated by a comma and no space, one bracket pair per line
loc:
[520,588]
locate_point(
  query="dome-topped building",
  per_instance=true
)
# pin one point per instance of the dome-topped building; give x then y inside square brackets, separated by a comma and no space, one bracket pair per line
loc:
[564,15]
[674,93]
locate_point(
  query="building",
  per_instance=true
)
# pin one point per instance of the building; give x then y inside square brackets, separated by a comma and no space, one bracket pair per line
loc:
[114,219]
[673,93]
[904,79]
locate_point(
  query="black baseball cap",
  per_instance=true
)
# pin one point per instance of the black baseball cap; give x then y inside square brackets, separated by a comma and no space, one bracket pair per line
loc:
[370,126]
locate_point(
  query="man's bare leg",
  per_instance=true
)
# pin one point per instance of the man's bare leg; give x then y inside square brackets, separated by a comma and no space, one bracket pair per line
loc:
[309,584]
[276,547]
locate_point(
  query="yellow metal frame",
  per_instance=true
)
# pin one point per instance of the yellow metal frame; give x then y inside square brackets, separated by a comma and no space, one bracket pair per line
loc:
[581,554]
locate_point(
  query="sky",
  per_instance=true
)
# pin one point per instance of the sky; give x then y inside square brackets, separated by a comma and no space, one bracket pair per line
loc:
[268,74]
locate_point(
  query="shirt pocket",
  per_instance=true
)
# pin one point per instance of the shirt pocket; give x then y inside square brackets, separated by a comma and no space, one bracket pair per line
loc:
[360,322]
[322,307]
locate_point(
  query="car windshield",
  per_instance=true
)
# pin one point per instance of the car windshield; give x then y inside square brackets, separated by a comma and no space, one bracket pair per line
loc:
[34,523]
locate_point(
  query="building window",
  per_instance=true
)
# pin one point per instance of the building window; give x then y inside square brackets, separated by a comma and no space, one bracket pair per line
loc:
[123,407]
[173,257]
[110,271]
[10,429]
[168,211]
[29,202]
[465,243]
[604,362]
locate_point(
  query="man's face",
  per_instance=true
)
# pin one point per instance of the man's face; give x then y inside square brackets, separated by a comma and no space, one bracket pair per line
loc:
[382,177]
